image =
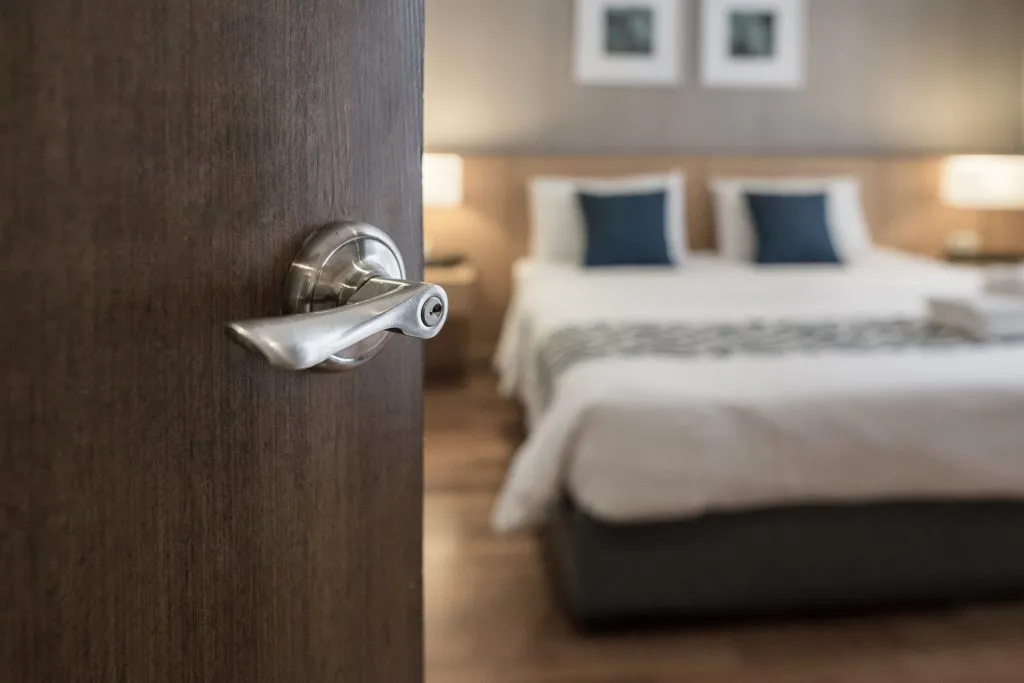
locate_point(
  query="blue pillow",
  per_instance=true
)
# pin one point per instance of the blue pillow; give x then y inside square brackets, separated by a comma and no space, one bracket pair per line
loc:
[792,228]
[625,230]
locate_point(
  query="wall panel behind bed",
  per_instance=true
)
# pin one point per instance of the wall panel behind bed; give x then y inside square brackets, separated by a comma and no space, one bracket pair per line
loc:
[901,197]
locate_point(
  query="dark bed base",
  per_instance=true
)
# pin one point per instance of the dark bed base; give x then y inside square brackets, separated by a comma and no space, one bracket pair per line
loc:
[786,560]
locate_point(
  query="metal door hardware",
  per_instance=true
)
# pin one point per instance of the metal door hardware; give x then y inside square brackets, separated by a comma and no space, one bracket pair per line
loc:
[344,294]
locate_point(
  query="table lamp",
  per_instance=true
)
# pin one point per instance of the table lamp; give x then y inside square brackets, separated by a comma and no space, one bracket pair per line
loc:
[442,189]
[986,183]
[442,180]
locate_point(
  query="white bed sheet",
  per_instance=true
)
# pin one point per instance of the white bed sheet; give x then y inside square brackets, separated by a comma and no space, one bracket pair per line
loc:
[642,439]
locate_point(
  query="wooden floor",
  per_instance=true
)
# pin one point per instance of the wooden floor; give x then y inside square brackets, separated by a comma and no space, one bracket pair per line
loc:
[490,618]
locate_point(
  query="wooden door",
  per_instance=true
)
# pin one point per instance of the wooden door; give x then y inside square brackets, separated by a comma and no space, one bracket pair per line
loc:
[172,509]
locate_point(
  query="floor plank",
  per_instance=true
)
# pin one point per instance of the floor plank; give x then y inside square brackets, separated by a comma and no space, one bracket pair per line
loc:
[491,619]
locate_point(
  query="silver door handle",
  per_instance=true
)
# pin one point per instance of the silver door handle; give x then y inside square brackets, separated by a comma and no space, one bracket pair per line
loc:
[344,294]
[300,342]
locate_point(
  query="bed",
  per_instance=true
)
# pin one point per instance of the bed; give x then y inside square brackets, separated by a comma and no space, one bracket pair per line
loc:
[725,438]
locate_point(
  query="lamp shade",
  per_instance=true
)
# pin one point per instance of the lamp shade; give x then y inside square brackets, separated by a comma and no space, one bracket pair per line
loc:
[442,180]
[984,182]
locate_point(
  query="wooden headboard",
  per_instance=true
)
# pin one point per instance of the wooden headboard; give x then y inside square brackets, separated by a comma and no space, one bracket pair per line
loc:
[901,199]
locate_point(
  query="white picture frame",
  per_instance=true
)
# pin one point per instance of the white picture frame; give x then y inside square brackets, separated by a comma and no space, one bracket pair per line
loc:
[754,44]
[633,43]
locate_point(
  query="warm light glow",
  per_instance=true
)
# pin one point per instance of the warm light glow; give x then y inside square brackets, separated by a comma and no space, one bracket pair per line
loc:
[984,182]
[442,180]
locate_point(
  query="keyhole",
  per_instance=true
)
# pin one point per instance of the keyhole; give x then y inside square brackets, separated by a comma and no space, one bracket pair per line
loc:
[432,311]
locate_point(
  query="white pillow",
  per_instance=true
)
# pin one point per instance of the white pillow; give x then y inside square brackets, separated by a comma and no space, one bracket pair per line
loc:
[557,230]
[734,228]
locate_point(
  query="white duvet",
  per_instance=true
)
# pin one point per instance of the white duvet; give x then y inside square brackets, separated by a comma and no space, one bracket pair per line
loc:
[641,439]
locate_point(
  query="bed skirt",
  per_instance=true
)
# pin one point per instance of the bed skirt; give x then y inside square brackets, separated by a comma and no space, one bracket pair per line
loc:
[796,560]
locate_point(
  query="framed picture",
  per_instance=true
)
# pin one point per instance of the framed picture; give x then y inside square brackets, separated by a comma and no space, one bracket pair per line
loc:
[628,42]
[754,44]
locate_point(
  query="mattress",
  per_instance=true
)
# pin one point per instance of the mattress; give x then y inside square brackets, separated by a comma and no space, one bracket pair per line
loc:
[642,438]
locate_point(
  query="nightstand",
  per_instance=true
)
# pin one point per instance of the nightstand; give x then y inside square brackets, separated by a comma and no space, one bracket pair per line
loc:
[985,258]
[447,356]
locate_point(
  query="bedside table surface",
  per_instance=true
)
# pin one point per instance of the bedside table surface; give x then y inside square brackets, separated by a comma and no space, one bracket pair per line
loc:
[462,274]
[986,257]
[459,283]
[448,355]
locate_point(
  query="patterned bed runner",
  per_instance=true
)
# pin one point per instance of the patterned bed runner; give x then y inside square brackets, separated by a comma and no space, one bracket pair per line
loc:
[571,346]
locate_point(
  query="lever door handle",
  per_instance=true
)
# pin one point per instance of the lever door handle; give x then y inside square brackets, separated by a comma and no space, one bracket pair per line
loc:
[303,341]
[344,293]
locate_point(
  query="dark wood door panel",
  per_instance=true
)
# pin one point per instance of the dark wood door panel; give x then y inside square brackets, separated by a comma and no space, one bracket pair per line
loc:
[173,509]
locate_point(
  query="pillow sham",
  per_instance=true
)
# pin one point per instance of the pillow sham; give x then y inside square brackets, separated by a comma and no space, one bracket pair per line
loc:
[557,232]
[734,230]
[625,230]
[791,228]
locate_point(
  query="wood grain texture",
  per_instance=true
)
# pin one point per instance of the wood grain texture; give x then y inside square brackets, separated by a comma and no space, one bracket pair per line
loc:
[900,195]
[490,617]
[172,509]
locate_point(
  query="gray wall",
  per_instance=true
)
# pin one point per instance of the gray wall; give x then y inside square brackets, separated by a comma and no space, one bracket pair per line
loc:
[891,76]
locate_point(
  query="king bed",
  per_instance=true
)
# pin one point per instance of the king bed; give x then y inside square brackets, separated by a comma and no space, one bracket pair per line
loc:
[716,437]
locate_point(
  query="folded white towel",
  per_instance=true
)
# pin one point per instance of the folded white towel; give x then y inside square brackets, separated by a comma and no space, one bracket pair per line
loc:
[1005,287]
[1006,281]
[985,316]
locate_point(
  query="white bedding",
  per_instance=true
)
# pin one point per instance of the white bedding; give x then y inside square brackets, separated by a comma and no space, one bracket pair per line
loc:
[639,439]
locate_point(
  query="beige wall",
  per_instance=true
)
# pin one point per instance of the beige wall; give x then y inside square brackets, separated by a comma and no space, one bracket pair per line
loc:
[885,76]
